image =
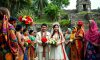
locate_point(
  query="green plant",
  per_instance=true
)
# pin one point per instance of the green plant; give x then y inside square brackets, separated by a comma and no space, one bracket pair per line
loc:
[52,11]
[25,12]
[65,22]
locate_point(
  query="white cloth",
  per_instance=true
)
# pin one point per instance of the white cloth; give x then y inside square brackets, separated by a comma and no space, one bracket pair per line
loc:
[58,52]
[40,48]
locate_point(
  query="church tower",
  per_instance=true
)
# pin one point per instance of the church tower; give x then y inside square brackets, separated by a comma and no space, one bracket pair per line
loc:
[83,5]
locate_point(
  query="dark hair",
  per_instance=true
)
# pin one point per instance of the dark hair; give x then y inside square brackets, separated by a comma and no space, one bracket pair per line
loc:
[44,25]
[24,30]
[13,19]
[30,31]
[18,27]
[4,11]
[54,31]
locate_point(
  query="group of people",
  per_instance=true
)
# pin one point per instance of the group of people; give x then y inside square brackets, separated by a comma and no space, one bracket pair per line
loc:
[19,43]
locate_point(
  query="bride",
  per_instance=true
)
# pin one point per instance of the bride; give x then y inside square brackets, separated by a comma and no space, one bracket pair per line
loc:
[57,52]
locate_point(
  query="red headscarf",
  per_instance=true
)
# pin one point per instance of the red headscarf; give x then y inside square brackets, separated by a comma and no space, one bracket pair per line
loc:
[80,23]
[92,35]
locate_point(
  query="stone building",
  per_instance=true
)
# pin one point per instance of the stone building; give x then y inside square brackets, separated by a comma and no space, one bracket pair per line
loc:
[83,5]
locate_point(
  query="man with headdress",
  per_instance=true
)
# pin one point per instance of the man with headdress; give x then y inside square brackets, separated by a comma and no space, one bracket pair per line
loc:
[79,38]
[42,39]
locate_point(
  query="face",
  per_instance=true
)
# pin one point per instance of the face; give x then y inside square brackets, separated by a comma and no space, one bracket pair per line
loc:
[14,23]
[67,32]
[78,27]
[74,30]
[26,33]
[43,28]
[56,28]
[22,29]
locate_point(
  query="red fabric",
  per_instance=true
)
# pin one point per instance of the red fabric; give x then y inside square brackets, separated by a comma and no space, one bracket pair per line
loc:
[80,23]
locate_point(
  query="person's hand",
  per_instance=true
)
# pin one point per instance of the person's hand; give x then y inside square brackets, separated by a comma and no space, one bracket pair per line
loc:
[57,44]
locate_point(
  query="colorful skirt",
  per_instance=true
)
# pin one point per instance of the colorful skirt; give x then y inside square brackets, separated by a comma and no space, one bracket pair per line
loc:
[90,52]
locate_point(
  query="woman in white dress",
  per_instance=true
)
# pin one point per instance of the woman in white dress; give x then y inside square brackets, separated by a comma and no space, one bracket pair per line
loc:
[57,52]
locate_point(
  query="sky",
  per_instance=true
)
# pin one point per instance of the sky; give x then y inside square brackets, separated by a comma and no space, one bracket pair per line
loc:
[94,4]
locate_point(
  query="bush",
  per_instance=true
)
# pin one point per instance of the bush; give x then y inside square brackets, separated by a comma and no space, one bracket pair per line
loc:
[52,11]
[25,12]
[65,22]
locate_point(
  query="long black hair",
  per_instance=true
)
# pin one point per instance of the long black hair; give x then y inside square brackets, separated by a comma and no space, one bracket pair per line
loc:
[54,31]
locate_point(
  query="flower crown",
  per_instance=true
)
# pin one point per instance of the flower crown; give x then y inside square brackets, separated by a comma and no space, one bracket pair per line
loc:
[25,19]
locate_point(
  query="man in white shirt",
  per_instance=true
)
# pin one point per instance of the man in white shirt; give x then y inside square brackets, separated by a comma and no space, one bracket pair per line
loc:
[43,53]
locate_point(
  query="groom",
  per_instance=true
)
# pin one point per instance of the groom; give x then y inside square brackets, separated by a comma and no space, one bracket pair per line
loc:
[43,48]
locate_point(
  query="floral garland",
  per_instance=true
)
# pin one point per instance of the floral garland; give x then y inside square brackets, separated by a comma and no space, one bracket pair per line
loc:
[27,20]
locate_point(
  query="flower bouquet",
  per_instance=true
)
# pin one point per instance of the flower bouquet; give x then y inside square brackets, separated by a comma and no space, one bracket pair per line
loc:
[27,43]
[44,40]
[25,20]
[52,42]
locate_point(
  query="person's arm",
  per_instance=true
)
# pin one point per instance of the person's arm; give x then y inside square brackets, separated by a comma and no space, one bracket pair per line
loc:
[38,39]
[62,40]
[12,35]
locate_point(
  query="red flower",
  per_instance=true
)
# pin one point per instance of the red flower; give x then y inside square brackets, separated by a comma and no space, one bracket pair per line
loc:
[28,41]
[26,22]
[44,39]
[20,18]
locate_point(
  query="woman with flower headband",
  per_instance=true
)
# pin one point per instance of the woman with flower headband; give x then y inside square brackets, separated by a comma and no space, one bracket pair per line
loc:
[57,51]
[8,40]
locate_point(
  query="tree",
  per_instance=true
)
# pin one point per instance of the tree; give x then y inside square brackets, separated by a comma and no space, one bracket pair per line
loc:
[60,3]
[52,11]
[15,5]
[39,6]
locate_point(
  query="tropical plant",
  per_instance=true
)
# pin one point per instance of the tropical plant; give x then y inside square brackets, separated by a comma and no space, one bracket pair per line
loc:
[52,11]
[25,12]
[60,3]
[39,6]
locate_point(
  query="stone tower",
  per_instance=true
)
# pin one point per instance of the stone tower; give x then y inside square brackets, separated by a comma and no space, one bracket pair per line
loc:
[83,5]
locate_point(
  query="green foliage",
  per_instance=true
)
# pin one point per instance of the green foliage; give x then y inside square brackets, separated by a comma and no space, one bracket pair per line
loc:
[25,12]
[99,9]
[64,15]
[52,11]
[60,3]
[65,22]
[38,6]
[85,12]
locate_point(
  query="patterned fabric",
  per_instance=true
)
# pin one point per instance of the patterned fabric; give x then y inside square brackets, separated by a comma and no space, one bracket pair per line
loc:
[79,43]
[5,46]
[90,52]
